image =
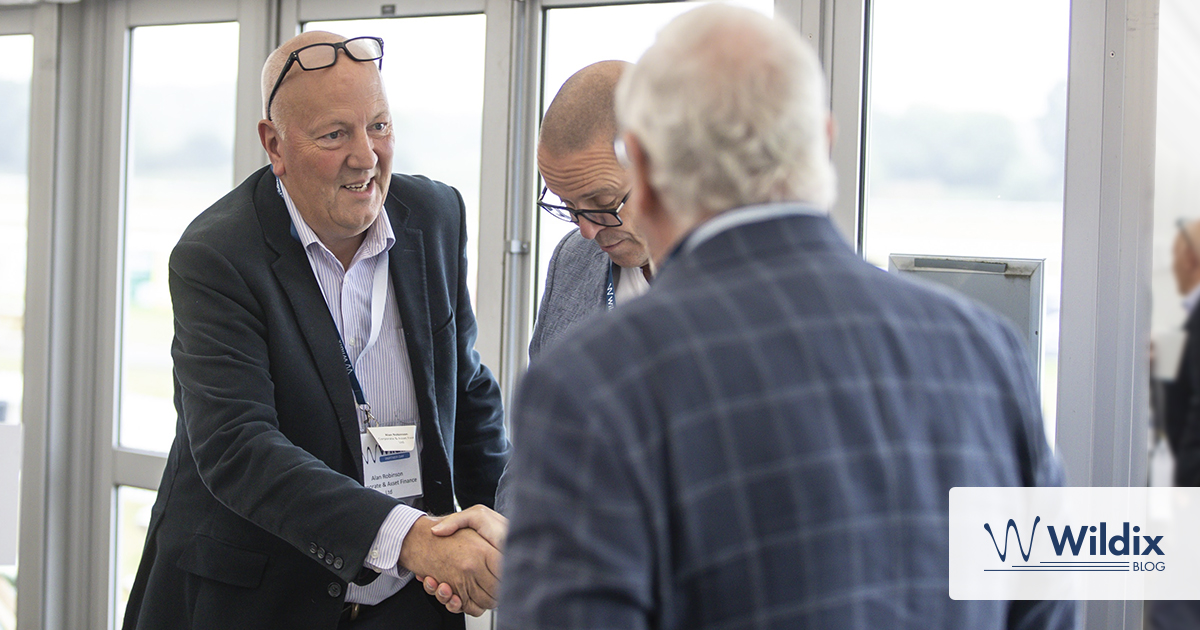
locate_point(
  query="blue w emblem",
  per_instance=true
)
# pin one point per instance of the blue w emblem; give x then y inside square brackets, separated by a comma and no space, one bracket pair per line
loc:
[1013,526]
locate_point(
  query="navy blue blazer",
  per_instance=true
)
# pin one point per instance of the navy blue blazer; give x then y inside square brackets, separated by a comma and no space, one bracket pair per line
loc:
[261,518]
[1183,409]
[767,439]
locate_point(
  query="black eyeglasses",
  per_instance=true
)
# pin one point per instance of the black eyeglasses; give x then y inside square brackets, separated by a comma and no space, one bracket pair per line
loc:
[324,54]
[604,217]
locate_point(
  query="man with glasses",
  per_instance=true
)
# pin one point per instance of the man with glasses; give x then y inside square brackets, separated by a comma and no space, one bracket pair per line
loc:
[593,268]
[604,262]
[329,397]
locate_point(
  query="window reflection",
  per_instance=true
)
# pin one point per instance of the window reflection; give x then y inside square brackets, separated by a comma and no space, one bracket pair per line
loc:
[965,139]
[180,161]
[15,80]
[133,520]
[15,76]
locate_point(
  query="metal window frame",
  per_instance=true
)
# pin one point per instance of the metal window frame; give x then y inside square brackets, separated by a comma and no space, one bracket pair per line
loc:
[37,402]
[1103,400]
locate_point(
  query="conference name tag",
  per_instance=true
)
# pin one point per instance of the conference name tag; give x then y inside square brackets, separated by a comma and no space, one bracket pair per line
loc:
[400,438]
[394,473]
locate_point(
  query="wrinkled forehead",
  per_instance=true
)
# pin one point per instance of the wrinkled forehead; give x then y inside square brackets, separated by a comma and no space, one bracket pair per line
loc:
[583,172]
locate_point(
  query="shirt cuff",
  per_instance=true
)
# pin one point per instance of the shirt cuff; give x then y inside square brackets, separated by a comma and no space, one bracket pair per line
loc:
[385,551]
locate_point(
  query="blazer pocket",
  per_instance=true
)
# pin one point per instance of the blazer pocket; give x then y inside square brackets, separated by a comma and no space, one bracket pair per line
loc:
[210,558]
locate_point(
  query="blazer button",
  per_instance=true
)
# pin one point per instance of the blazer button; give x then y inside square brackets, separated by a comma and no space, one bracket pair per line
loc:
[337,563]
[321,553]
[312,548]
[329,558]
[335,589]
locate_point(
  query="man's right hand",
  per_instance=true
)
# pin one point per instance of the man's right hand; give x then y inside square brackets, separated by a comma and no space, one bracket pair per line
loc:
[489,523]
[463,560]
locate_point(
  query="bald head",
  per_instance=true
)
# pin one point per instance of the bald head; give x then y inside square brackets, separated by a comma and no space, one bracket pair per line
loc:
[274,65]
[582,112]
[1185,261]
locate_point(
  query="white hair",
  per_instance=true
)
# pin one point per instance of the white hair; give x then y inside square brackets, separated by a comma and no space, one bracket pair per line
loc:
[729,108]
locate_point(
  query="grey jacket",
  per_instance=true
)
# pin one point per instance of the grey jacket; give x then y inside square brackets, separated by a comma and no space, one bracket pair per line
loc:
[575,284]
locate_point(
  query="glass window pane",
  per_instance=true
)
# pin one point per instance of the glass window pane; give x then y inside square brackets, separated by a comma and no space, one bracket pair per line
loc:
[133,519]
[180,161]
[8,598]
[965,139]
[15,80]
[433,72]
[15,76]
[579,36]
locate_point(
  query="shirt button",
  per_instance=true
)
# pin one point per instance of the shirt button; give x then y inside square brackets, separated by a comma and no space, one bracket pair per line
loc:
[335,589]
[374,554]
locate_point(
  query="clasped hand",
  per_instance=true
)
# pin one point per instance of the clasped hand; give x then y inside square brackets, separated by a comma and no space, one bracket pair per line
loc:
[458,557]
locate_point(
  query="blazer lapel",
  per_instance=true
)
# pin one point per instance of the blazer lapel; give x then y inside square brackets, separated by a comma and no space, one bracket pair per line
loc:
[295,275]
[406,262]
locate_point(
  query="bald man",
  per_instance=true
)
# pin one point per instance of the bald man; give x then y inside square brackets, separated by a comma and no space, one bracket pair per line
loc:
[330,401]
[604,262]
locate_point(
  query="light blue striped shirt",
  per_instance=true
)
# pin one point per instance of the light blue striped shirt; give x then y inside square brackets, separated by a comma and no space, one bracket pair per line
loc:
[383,370]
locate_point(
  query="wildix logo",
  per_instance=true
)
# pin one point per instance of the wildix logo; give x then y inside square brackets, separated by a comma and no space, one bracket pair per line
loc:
[1099,544]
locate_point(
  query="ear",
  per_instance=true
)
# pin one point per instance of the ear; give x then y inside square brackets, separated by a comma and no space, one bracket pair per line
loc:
[270,138]
[654,222]
[649,202]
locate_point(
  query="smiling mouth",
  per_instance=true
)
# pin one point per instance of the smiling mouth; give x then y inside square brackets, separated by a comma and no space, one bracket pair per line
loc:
[358,187]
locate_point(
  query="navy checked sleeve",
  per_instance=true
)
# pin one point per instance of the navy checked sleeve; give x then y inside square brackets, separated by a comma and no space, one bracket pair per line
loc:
[580,546]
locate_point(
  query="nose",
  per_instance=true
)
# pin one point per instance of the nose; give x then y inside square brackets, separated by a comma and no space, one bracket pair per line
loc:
[588,230]
[362,153]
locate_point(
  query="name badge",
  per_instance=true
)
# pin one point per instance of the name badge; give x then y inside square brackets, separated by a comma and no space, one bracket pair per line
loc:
[401,438]
[396,473]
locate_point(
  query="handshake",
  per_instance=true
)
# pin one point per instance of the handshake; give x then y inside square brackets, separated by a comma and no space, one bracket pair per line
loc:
[458,557]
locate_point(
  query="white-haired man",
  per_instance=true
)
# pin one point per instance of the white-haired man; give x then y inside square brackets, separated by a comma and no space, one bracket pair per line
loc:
[768,437]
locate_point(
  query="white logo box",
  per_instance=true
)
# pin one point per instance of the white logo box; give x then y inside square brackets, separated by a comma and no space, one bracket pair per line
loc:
[1160,560]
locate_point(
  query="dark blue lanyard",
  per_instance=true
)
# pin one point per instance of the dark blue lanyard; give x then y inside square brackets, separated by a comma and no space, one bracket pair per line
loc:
[359,397]
[610,294]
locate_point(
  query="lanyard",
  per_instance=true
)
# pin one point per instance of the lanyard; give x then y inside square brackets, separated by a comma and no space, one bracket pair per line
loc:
[610,294]
[378,303]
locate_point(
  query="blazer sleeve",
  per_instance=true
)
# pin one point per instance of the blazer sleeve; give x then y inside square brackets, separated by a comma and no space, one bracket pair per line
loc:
[540,325]
[1186,428]
[226,398]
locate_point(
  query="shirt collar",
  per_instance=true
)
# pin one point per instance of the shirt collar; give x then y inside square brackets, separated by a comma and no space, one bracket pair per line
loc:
[379,239]
[1192,298]
[742,216]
